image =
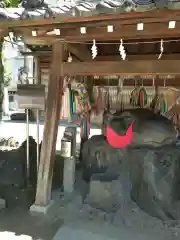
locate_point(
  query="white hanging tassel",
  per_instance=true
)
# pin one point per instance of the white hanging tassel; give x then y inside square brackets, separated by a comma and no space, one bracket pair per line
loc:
[69,58]
[161,49]
[122,51]
[94,49]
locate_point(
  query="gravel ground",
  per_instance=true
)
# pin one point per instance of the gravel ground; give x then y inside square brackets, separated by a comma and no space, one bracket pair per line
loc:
[18,224]
[70,219]
[127,224]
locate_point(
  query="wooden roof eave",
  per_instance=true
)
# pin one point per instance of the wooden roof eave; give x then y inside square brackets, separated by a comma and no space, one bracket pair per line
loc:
[126,18]
[156,26]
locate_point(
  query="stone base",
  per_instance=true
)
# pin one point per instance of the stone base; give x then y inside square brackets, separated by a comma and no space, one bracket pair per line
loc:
[69,175]
[2,203]
[38,209]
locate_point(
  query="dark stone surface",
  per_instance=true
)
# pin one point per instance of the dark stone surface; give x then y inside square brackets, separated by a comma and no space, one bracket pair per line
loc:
[97,155]
[148,175]
[13,165]
[155,178]
[147,172]
[104,195]
[148,127]
[16,196]
[15,188]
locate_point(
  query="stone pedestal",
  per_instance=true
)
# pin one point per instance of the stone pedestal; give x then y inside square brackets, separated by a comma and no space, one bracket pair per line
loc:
[2,203]
[38,209]
[69,174]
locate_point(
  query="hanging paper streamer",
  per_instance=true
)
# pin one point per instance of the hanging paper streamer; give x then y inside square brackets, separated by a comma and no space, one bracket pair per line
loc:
[84,103]
[139,97]
[155,99]
[94,49]
[163,105]
[61,111]
[161,49]
[159,104]
[85,127]
[69,58]
[122,50]
[83,100]
[66,106]
[142,97]
[74,104]
[70,105]
[63,106]
[134,97]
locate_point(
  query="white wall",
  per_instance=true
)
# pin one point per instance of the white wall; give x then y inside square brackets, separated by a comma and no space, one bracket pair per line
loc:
[18,132]
[14,64]
[14,61]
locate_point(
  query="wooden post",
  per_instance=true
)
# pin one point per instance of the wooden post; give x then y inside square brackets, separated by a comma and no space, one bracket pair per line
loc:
[47,156]
[36,80]
[37,70]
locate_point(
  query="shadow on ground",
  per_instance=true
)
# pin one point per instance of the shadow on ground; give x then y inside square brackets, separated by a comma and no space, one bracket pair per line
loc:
[21,222]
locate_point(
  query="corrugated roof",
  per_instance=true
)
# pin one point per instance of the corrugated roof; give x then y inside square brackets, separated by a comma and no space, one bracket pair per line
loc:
[82,8]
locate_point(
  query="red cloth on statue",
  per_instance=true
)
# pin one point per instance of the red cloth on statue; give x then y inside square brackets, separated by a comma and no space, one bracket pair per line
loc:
[117,141]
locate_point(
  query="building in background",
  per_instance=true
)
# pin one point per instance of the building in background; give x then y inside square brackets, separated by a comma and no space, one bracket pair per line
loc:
[16,65]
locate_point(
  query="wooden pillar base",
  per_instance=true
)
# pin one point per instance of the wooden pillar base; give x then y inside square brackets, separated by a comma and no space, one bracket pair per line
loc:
[2,203]
[41,210]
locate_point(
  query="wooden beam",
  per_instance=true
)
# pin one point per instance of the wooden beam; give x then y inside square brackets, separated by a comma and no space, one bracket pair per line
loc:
[158,15]
[37,71]
[173,82]
[37,53]
[127,20]
[152,67]
[44,183]
[45,56]
[38,41]
[4,33]
[80,51]
[126,32]
[175,56]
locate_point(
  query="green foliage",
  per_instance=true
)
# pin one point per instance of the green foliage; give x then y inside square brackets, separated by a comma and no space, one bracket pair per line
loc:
[4,74]
[7,76]
[11,3]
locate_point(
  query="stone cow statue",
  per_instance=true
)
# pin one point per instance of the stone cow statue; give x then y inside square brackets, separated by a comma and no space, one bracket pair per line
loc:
[148,128]
[148,169]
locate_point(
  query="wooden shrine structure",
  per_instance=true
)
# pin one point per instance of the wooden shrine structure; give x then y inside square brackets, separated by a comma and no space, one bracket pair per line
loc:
[141,34]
